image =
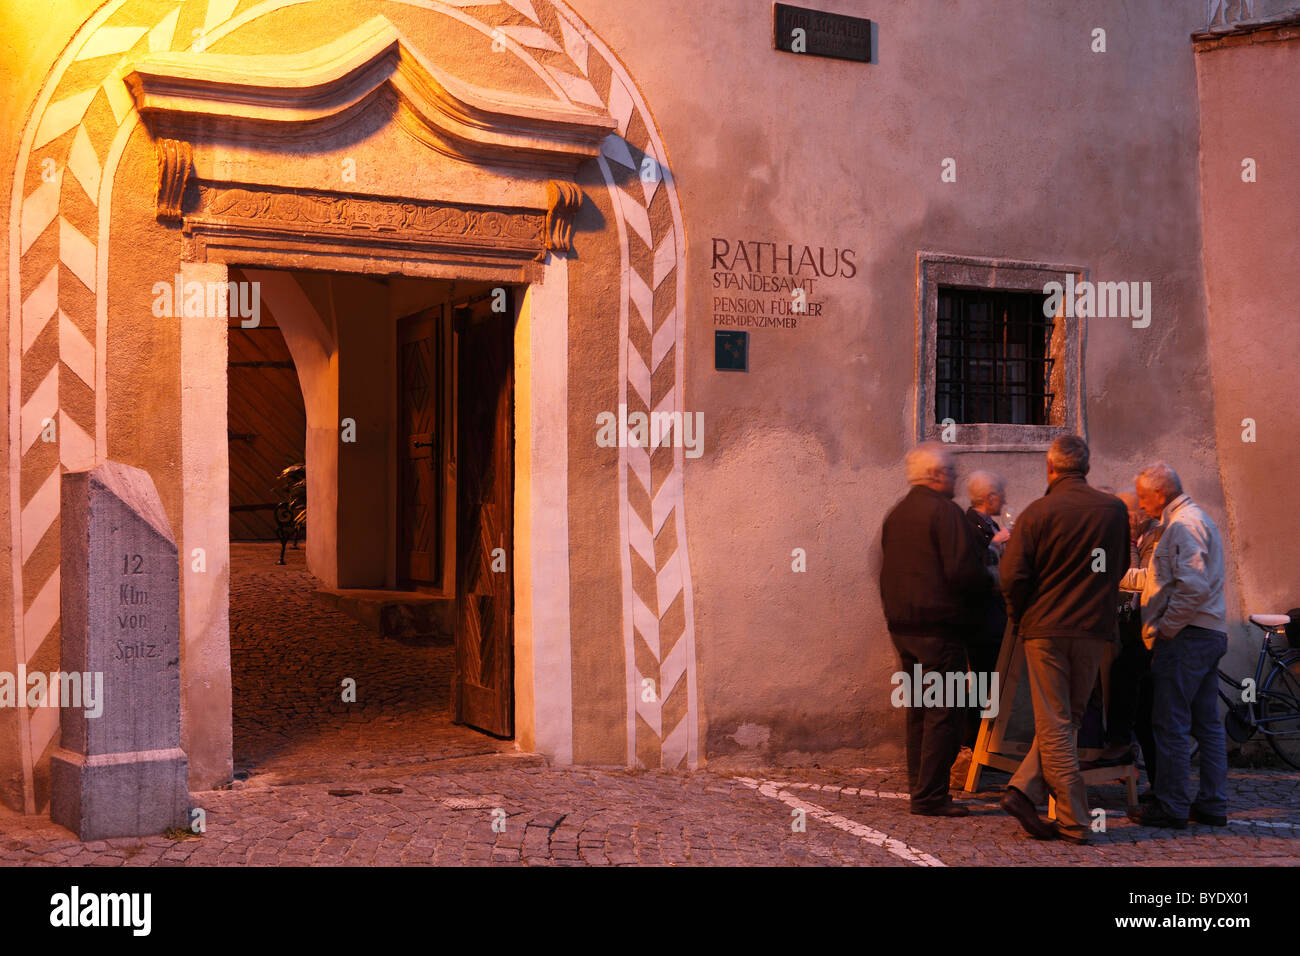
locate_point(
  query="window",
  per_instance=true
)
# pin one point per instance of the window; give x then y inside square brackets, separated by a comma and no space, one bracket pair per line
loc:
[993,358]
[993,372]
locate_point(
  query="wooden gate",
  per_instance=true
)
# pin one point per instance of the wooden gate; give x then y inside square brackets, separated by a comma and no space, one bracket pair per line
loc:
[421,380]
[266,425]
[484,687]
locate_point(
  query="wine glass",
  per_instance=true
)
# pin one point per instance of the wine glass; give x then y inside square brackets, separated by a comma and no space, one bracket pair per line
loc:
[1008,519]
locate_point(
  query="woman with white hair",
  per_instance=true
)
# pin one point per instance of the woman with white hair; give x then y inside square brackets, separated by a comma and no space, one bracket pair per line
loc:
[987,493]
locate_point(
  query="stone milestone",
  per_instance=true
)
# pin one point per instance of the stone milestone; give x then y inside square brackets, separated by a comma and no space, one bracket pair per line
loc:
[122,773]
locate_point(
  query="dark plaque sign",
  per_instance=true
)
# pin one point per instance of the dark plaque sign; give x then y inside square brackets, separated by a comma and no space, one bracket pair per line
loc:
[800,30]
[730,350]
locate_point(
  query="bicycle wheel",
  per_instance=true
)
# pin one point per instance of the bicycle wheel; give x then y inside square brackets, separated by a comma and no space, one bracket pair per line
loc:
[1279,705]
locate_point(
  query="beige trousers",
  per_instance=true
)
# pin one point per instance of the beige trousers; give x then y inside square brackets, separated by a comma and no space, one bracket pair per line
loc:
[1062,672]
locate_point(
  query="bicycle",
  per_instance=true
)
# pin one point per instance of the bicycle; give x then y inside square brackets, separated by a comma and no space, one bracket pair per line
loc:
[1274,707]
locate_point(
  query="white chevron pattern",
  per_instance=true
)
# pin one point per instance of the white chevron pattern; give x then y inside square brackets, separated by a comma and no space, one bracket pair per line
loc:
[566,50]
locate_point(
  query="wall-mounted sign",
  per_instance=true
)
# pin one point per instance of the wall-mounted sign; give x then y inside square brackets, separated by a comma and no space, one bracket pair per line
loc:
[813,32]
[730,350]
[774,285]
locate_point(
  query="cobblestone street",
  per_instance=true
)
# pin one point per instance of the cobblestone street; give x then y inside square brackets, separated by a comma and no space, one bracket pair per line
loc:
[289,657]
[571,817]
[390,780]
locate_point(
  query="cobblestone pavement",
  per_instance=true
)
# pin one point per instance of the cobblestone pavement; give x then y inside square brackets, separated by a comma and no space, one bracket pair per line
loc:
[390,780]
[568,817]
[289,657]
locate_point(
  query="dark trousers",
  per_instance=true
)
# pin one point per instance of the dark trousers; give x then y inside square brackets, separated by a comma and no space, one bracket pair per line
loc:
[983,656]
[1143,725]
[1187,706]
[1131,664]
[1131,696]
[934,734]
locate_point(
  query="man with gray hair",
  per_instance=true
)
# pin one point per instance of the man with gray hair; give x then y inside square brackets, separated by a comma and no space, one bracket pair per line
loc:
[1184,622]
[931,576]
[1060,575]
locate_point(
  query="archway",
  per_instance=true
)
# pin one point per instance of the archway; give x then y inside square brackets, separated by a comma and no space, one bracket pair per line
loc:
[63,234]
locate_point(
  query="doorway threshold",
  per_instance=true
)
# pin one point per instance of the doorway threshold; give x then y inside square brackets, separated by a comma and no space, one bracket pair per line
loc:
[490,758]
[406,616]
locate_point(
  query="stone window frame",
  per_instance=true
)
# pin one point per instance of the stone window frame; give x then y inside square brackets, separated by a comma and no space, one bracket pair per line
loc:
[935,269]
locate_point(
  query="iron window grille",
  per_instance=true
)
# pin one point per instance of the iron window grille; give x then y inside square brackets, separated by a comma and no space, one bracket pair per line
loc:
[993,360]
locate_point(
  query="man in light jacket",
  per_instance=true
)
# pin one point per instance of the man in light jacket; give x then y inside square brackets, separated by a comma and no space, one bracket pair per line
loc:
[1184,622]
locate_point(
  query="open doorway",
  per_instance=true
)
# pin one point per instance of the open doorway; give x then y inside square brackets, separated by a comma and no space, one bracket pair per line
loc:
[456,489]
[388,636]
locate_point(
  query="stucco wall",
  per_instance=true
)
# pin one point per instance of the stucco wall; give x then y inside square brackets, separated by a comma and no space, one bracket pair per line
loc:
[1249,110]
[1062,155]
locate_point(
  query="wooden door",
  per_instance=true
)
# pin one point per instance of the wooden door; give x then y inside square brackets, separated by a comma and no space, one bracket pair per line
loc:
[420,452]
[484,687]
[266,424]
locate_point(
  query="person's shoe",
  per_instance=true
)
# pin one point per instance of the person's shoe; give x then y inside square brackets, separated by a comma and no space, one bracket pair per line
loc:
[948,809]
[1209,819]
[1118,760]
[1155,815]
[1018,805]
[1069,836]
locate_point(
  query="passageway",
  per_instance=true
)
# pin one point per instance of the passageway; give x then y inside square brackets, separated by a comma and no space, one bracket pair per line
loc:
[289,657]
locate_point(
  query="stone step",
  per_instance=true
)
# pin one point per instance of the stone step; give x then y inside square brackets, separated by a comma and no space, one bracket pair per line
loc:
[407,616]
[396,770]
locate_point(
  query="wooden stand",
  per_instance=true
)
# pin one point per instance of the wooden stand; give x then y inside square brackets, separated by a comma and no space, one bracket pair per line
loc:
[994,749]
[1127,775]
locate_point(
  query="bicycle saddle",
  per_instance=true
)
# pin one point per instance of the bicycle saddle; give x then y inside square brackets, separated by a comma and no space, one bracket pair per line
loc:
[1270,620]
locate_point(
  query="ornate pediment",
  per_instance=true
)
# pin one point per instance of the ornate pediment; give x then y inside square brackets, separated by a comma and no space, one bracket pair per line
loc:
[290,97]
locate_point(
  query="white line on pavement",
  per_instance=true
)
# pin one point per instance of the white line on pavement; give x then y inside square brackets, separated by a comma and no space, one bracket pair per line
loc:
[1264,823]
[769,788]
[845,791]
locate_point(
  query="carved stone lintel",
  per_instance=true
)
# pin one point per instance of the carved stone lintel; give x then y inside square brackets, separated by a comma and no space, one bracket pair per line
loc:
[412,226]
[175,162]
[562,201]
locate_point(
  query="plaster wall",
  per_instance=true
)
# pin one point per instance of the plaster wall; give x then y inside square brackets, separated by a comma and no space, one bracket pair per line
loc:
[366,383]
[313,345]
[1062,155]
[1249,111]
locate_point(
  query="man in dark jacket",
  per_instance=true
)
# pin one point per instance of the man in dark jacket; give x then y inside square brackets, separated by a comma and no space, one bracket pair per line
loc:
[1131,692]
[931,578]
[1060,575]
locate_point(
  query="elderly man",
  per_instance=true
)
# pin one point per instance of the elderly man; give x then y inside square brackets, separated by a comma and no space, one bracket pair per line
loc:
[988,496]
[1060,576]
[1129,709]
[931,576]
[1184,621]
